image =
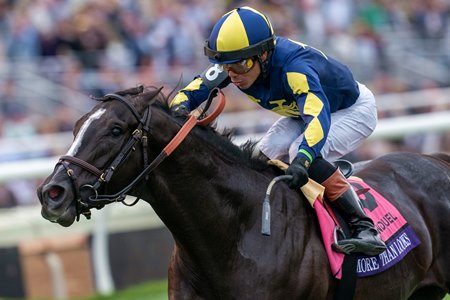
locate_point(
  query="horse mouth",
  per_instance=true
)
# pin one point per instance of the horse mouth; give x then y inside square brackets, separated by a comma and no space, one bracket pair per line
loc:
[64,218]
[57,206]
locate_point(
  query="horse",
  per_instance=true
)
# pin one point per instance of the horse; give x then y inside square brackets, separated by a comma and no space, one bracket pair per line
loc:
[209,192]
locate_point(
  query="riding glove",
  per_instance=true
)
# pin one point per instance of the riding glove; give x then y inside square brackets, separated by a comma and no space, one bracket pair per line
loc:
[179,111]
[299,171]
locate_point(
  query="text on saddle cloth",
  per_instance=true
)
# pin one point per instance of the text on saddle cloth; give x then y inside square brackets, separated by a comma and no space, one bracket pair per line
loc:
[394,230]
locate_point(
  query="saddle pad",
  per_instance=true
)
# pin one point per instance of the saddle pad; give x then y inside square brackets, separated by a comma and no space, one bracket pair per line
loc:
[393,228]
[327,226]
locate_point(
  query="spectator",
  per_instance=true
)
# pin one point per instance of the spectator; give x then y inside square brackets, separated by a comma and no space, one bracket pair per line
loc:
[7,199]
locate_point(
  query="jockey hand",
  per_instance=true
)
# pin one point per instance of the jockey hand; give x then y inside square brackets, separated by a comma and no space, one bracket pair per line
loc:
[179,111]
[213,93]
[299,171]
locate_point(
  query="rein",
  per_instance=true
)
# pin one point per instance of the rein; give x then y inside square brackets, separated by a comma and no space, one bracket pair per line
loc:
[140,134]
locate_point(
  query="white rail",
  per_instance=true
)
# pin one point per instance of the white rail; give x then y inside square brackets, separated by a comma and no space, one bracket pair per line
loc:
[386,129]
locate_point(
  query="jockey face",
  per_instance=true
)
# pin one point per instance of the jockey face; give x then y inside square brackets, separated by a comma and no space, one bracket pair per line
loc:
[244,73]
[240,67]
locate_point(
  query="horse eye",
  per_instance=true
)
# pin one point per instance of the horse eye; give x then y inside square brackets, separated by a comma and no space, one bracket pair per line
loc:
[116,131]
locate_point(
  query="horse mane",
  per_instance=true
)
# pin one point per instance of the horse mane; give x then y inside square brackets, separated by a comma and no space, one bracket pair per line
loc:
[441,157]
[208,134]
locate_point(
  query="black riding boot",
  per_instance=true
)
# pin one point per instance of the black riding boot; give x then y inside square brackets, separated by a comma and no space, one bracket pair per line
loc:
[365,238]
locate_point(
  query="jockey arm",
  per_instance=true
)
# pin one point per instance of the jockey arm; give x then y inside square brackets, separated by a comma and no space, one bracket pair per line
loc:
[314,110]
[196,92]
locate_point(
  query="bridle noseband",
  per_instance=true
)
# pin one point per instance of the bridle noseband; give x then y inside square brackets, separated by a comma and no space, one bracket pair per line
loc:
[140,134]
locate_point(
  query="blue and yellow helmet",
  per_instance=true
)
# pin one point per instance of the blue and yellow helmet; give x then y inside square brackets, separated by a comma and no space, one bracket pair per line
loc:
[239,34]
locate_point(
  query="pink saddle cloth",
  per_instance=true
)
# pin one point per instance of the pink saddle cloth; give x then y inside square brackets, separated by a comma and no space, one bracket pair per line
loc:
[392,226]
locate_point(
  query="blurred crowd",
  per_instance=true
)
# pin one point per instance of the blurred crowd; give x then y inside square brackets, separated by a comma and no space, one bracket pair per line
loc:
[95,47]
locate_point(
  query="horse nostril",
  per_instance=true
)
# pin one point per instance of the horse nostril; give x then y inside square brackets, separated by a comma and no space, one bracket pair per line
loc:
[54,192]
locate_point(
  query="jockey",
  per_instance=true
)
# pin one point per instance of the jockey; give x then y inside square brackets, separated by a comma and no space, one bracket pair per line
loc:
[325,112]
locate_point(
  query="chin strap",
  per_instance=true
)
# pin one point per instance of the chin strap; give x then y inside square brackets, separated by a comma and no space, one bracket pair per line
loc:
[265,66]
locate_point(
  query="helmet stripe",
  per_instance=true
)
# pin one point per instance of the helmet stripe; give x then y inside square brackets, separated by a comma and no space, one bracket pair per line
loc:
[256,24]
[231,28]
[262,16]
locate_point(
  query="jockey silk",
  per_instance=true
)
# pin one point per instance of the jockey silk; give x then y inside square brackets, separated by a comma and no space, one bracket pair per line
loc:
[303,83]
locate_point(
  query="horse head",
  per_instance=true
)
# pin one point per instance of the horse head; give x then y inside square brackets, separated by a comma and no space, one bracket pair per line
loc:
[104,139]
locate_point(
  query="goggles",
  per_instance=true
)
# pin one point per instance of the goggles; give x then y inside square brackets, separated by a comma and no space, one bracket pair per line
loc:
[240,67]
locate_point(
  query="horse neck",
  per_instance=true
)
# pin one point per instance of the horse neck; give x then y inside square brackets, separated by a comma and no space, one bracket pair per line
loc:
[211,203]
[201,195]
[202,192]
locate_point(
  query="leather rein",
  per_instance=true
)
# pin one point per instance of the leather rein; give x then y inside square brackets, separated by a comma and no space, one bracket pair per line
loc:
[140,134]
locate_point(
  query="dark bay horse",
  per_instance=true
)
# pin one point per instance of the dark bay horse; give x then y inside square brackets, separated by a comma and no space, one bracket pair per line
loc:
[209,194]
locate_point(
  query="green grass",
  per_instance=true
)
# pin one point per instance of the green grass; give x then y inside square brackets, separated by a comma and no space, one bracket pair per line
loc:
[155,290]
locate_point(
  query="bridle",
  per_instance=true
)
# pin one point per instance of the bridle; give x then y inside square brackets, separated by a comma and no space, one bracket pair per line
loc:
[140,134]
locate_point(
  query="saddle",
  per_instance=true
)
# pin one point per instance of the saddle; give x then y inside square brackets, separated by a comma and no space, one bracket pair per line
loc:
[313,190]
[345,166]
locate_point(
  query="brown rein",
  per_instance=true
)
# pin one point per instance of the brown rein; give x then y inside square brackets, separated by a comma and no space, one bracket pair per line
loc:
[98,201]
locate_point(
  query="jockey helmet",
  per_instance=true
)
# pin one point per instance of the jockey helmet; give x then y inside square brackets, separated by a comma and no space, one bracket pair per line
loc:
[239,34]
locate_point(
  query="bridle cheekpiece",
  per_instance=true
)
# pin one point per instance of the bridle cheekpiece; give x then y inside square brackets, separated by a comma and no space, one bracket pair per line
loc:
[140,134]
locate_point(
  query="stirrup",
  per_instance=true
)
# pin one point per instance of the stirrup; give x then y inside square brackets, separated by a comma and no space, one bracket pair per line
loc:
[338,234]
[349,246]
[346,249]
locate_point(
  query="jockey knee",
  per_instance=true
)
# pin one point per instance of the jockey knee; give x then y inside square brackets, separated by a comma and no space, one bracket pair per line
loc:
[329,176]
[257,153]
[320,169]
[278,140]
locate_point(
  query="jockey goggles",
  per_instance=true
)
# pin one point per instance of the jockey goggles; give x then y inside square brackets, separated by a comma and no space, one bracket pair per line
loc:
[240,67]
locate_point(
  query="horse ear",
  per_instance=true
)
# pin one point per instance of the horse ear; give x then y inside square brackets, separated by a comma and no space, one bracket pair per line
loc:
[131,91]
[151,95]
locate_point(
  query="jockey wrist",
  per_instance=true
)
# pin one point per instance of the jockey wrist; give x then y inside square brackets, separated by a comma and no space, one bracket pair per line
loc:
[299,171]
[180,110]
[302,160]
[304,157]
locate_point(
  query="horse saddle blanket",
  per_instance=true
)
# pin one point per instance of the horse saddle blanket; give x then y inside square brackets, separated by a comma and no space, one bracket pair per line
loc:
[394,230]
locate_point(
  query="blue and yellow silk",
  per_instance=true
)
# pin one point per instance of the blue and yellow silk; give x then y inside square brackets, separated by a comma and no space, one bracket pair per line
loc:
[303,83]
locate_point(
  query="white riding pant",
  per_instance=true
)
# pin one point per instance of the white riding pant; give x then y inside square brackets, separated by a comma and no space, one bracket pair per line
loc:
[349,128]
